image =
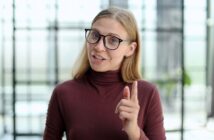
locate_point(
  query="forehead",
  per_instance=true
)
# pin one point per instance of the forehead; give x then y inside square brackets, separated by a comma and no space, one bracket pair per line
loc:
[109,25]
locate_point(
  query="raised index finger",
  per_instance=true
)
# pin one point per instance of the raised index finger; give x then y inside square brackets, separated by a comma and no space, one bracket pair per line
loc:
[134,93]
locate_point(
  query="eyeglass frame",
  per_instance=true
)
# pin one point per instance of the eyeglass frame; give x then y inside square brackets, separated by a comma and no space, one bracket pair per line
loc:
[104,41]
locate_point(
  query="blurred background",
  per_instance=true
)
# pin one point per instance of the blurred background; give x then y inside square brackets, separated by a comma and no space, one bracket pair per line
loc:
[40,40]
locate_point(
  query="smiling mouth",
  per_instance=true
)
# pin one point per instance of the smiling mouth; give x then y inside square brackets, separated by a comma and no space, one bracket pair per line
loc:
[98,57]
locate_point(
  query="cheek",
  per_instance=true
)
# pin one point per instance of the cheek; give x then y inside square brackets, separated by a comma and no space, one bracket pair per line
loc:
[119,53]
[117,57]
[89,48]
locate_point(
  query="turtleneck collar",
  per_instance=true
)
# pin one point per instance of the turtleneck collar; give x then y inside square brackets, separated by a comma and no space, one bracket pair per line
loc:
[103,78]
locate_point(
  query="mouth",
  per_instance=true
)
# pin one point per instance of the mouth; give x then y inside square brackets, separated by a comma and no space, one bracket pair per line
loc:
[98,57]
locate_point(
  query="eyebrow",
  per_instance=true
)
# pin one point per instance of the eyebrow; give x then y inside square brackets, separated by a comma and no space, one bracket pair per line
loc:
[112,34]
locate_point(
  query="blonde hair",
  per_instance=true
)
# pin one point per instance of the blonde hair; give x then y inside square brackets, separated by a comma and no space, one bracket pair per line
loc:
[130,68]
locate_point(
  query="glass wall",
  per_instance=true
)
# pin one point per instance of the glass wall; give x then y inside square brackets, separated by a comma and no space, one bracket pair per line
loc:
[40,40]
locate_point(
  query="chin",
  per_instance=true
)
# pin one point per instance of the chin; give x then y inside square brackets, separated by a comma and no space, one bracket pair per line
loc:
[103,69]
[99,69]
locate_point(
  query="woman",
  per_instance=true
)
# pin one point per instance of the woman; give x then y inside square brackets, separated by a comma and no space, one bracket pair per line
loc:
[106,100]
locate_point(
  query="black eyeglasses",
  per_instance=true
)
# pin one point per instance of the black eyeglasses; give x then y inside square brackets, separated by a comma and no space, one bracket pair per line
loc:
[110,42]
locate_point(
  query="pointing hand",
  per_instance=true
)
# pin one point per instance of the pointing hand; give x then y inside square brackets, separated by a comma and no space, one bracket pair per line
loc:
[127,110]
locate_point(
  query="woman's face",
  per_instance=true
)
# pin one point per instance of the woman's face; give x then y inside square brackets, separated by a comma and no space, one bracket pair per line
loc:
[102,59]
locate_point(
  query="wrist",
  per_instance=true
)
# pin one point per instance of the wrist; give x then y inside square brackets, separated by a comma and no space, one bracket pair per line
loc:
[135,135]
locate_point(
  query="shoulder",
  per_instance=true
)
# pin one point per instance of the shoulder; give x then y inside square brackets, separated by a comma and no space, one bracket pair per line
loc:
[68,91]
[147,90]
[64,85]
[68,86]
[146,86]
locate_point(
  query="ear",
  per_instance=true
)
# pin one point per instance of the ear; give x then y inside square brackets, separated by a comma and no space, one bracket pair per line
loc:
[131,49]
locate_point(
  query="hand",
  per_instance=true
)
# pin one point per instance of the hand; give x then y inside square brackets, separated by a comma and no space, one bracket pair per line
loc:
[128,109]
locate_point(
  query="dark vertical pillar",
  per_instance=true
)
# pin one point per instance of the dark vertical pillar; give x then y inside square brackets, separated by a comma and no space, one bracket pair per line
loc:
[56,53]
[14,69]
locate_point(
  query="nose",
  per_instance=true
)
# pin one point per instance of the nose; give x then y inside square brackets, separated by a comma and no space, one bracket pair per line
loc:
[100,45]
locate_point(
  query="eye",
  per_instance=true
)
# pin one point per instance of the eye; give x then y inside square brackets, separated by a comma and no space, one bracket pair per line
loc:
[94,35]
[113,40]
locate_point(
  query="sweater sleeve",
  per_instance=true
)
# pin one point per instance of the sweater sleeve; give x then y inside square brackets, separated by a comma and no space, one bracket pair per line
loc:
[154,128]
[54,123]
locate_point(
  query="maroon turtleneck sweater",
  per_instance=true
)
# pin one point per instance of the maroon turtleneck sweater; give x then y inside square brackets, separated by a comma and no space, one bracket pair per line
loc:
[84,109]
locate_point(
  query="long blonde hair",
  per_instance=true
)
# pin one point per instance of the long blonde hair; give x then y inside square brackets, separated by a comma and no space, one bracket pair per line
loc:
[130,68]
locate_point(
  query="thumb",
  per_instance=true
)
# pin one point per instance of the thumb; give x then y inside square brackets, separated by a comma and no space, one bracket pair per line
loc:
[126,93]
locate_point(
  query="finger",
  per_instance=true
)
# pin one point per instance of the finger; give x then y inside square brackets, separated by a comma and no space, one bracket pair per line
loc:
[125,116]
[134,93]
[126,93]
[125,109]
[123,102]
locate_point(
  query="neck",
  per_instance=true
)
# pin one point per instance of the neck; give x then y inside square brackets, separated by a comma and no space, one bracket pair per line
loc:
[103,78]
